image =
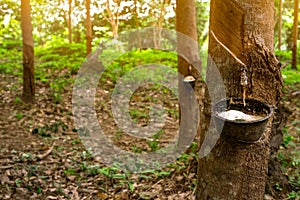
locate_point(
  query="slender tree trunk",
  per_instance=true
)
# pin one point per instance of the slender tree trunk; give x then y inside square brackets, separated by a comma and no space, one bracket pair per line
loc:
[88,28]
[295,35]
[235,170]
[161,19]
[70,21]
[28,53]
[113,18]
[188,65]
[136,19]
[279,24]
[186,24]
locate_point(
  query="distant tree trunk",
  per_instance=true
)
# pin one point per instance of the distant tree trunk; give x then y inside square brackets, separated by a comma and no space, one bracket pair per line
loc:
[136,19]
[113,17]
[279,24]
[159,22]
[189,64]
[70,21]
[88,28]
[28,53]
[295,35]
[235,170]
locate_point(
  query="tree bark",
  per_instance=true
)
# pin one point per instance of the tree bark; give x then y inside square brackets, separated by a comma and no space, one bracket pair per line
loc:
[186,24]
[137,24]
[189,64]
[295,35]
[113,18]
[28,53]
[88,28]
[70,21]
[159,23]
[235,170]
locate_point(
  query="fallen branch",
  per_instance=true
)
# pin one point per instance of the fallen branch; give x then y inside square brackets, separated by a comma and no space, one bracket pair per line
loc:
[75,194]
[42,156]
[6,167]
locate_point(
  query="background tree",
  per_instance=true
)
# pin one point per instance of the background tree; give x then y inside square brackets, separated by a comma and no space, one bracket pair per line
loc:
[113,9]
[88,28]
[188,65]
[28,53]
[70,21]
[246,28]
[287,11]
[295,35]
[49,19]
[161,4]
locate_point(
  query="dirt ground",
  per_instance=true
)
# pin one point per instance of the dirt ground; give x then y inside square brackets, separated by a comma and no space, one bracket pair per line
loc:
[42,157]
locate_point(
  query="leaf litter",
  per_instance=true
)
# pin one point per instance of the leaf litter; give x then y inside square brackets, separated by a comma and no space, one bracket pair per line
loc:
[42,157]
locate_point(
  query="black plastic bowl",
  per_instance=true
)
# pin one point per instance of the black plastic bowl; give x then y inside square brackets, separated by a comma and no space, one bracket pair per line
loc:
[244,131]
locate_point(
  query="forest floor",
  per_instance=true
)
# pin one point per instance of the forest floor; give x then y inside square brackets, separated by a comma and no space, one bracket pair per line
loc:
[42,156]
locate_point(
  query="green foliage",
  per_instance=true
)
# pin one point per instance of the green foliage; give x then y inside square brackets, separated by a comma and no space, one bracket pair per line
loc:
[10,31]
[290,160]
[86,154]
[27,156]
[17,100]
[62,60]
[136,149]
[294,195]
[19,116]
[11,58]
[60,55]
[285,56]
[290,76]
[55,63]
[202,18]
[118,64]
[287,23]
[45,131]
[153,143]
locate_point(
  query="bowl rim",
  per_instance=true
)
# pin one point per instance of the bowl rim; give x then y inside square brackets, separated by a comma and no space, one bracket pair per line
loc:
[270,109]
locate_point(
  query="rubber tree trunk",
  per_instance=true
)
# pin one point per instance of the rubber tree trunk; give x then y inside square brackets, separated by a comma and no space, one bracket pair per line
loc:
[88,28]
[244,31]
[70,21]
[295,34]
[188,65]
[28,53]
[186,24]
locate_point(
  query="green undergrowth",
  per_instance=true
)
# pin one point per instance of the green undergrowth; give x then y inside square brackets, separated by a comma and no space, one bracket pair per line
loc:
[289,154]
[290,159]
[290,76]
[115,174]
[118,64]
[57,62]
[11,58]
